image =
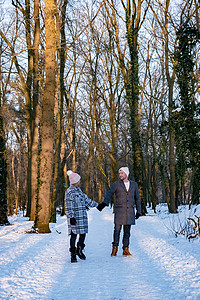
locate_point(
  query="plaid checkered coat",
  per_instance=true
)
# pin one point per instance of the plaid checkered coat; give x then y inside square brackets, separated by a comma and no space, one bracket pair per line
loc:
[75,207]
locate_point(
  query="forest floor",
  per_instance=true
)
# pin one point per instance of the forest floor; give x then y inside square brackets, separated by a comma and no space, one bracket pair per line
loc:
[163,266]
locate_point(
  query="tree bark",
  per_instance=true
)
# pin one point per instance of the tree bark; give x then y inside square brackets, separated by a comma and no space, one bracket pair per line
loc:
[3,164]
[47,123]
[57,187]
[133,15]
[35,112]
[170,81]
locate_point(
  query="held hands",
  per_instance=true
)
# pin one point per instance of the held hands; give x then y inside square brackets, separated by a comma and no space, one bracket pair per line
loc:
[101,206]
[72,221]
[137,215]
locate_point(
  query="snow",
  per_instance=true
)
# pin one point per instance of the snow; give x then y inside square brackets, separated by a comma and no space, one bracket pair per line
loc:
[176,110]
[163,265]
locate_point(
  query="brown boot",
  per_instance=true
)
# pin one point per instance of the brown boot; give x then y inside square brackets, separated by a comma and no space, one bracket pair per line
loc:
[126,252]
[114,251]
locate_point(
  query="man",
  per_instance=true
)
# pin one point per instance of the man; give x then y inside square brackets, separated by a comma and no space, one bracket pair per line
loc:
[127,199]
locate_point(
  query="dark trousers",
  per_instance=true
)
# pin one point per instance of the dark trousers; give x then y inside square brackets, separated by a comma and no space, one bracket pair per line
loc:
[80,241]
[126,236]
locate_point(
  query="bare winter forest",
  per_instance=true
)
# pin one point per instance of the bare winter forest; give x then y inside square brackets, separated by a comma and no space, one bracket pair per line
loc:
[92,86]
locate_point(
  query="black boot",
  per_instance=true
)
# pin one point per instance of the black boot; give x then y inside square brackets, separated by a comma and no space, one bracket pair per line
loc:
[79,251]
[73,255]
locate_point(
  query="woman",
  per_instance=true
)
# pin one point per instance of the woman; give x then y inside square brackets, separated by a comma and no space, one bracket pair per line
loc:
[75,208]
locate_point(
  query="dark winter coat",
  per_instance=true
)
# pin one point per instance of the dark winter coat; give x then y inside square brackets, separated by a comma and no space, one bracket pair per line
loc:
[125,202]
[75,207]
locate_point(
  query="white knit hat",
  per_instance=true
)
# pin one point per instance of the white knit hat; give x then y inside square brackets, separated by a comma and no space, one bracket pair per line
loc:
[73,177]
[125,170]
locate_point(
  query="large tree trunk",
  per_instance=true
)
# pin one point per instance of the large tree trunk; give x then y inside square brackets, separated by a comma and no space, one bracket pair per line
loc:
[133,14]
[170,81]
[172,161]
[47,123]
[57,185]
[34,170]
[35,119]
[27,88]
[3,176]
[29,105]
[3,163]
[93,101]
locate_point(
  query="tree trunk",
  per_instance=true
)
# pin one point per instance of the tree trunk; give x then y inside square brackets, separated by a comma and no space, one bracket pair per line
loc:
[34,169]
[3,173]
[93,101]
[170,81]
[29,106]
[3,162]
[172,204]
[47,123]
[195,186]
[26,85]
[35,115]
[58,188]
[133,13]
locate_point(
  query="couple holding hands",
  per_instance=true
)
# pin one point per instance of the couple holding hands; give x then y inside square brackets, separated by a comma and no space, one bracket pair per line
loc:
[127,198]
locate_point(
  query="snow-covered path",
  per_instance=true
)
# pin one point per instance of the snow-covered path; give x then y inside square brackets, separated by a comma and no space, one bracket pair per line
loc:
[34,266]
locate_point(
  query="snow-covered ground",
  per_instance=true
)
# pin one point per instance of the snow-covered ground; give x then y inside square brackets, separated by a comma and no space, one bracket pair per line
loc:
[37,266]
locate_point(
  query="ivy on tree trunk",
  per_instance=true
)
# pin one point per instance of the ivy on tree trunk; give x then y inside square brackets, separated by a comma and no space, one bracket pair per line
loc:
[3,176]
[187,125]
[132,94]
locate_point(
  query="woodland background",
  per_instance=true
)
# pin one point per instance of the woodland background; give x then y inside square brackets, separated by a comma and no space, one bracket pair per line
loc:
[92,86]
